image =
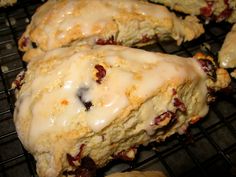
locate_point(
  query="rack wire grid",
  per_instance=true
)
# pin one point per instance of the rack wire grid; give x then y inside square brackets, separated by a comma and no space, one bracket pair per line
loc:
[208,150]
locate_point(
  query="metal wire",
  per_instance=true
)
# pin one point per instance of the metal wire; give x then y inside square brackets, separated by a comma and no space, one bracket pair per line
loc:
[208,150]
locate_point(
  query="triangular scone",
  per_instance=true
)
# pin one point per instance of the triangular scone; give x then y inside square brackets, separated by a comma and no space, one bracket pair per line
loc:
[78,104]
[60,23]
[227,54]
[218,10]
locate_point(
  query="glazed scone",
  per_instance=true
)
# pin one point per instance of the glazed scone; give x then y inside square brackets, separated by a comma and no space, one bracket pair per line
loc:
[227,54]
[218,10]
[60,23]
[138,174]
[82,103]
[4,3]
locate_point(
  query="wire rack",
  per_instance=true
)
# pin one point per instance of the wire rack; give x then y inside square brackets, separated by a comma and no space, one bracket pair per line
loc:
[209,149]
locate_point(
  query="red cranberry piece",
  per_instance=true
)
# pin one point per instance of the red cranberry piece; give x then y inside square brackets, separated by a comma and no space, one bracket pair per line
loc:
[224,14]
[207,11]
[101,42]
[70,160]
[145,39]
[208,67]
[86,169]
[101,73]
[179,105]
[18,82]
[25,42]
[78,156]
[110,41]
[163,116]
[174,91]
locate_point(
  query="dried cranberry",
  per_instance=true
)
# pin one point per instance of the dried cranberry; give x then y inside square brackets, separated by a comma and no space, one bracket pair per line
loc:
[70,160]
[81,95]
[208,67]
[145,39]
[109,41]
[18,82]
[101,73]
[87,168]
[25,42]
[174,91]
[207,11]
[224,14]
[78,156]
[163,116]
[179,105]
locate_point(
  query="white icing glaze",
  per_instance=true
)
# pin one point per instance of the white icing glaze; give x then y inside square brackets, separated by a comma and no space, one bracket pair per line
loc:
[51,99]
[49,112]
[93,14]
[100,12]
[90,17]
[111,98]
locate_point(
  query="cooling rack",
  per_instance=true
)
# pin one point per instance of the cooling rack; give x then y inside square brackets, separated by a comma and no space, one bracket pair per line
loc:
[209,149]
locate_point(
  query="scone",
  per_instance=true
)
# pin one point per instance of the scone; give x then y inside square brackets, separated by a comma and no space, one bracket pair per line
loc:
[138,174]
[227,54]
[4,3]
[60,23]
[216,9]
[82,106]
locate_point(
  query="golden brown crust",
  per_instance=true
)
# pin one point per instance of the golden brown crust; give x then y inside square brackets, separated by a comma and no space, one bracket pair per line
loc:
[125,22]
